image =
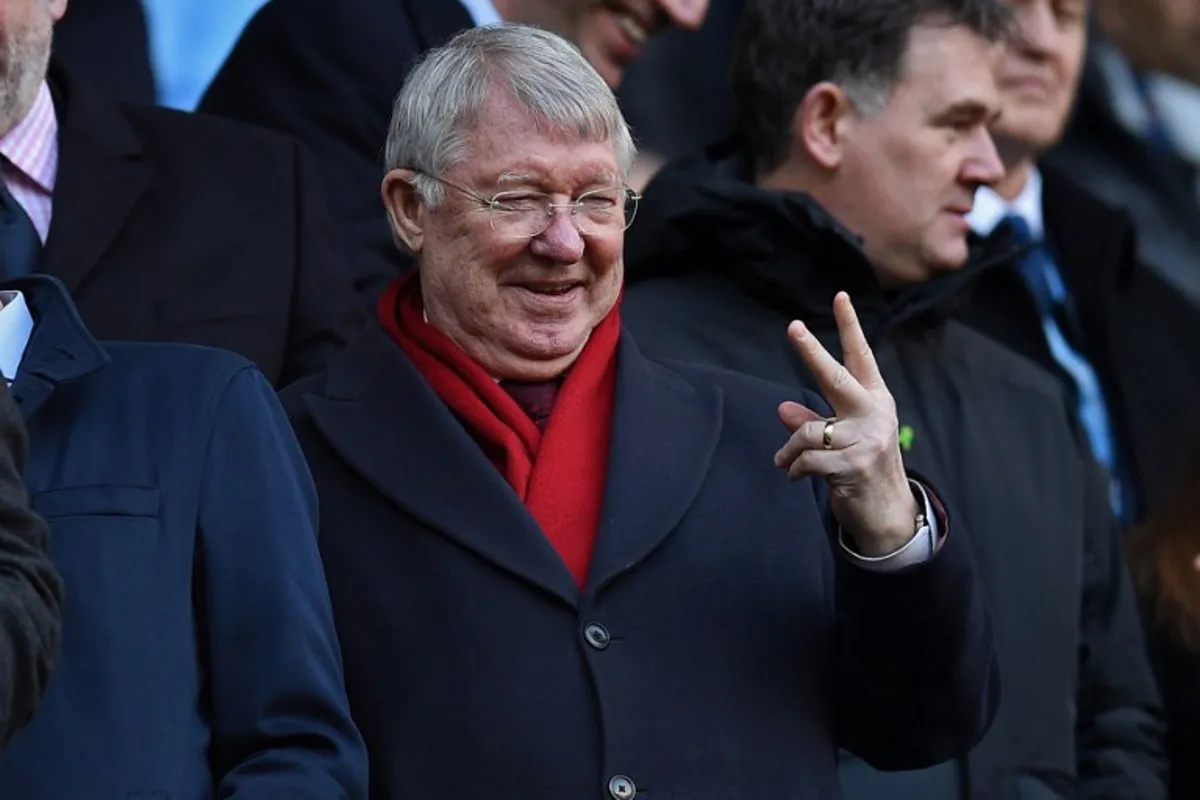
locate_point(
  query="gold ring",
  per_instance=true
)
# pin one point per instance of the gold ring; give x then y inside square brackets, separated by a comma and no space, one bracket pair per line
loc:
[827,434]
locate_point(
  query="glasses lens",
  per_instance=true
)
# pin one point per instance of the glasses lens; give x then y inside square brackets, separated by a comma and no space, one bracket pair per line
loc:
[606,211]
[519,215]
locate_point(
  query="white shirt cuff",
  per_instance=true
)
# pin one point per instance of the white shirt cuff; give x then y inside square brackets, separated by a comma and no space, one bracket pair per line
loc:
[921,547]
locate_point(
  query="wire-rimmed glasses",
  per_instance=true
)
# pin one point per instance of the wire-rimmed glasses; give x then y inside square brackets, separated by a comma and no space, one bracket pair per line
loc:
[524,214]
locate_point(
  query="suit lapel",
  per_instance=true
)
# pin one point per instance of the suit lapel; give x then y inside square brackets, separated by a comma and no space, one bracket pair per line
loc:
[379,414]
[665,432]
[101,176]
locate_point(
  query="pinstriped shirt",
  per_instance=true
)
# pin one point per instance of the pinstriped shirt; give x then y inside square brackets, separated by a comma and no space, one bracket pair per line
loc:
[30,161]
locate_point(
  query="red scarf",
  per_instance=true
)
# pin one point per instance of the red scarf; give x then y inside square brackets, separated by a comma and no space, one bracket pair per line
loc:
[559,474]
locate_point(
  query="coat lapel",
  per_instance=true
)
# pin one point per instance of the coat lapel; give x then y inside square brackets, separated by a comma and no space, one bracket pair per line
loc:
[101,175]
[379,414]
[665,432]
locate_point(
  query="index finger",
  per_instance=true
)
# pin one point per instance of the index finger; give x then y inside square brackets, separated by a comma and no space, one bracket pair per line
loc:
[840,388]
[860,360]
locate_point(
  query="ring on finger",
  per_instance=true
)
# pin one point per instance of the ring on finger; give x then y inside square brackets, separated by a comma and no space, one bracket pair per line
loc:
[827,434]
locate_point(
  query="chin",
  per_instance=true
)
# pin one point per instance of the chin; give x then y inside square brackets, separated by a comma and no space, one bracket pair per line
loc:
[950,259]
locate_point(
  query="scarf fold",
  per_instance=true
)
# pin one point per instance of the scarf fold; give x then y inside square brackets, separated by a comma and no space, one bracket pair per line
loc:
[559,473]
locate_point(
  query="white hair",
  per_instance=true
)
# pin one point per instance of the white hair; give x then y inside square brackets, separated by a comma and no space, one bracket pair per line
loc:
[443,95]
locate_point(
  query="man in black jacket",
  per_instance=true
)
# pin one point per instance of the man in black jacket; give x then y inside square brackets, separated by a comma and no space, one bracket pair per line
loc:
[881,120]
[165,226]
[1118,335]
[327,72]
[30,588]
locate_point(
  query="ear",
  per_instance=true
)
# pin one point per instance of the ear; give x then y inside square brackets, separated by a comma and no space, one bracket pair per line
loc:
[57,9]
[819,126]
[404,209]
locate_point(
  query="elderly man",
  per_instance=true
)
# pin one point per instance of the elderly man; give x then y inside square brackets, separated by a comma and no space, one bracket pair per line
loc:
[878,128]
[562,570]
[327,72]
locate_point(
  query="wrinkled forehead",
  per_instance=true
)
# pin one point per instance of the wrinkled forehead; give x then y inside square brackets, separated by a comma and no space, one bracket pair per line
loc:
[507,146]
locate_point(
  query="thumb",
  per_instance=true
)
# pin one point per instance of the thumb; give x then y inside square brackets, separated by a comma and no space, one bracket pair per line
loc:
[793,415]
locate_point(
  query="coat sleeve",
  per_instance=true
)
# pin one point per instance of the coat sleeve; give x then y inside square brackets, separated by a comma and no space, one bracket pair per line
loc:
[326,73]
[326,314]
[917,674]
[30,588]
[280,718]
[1119,729]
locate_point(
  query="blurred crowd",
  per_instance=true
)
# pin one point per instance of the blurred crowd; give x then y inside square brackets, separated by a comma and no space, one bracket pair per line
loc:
[689,399]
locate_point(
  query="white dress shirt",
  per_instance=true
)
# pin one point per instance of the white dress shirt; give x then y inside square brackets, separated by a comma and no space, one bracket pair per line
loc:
[483,12]
[990,209]
[16,326]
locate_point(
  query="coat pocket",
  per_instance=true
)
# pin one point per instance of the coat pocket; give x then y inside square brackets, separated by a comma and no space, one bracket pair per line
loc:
[101,500]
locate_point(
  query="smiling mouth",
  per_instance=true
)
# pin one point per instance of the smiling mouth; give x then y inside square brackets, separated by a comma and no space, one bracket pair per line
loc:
[552,290]
[633,28]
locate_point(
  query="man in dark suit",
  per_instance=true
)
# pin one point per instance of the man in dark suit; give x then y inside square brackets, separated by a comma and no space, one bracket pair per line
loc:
[166,226]
[327,73]
[199,655]
[1119,337]
[556,587]
[858,178]
[30,588]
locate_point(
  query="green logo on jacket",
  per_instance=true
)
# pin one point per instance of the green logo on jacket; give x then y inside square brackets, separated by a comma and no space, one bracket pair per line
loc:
[906,438]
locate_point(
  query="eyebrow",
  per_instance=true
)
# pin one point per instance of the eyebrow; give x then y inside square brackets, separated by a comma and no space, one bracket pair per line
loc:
[596,179]
[972,108]
[515,177]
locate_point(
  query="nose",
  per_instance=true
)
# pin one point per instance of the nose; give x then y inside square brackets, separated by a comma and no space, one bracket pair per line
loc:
[1035,27]
[983,166]
[561,242]
[686,14]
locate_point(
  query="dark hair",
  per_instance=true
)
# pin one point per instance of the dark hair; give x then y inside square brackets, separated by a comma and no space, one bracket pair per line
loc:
[785,47]
[1162,554]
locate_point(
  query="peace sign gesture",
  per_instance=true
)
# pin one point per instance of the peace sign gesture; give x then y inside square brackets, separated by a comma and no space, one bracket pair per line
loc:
[858,450]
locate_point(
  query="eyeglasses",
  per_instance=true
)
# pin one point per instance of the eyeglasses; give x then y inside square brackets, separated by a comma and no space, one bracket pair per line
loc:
[524,214]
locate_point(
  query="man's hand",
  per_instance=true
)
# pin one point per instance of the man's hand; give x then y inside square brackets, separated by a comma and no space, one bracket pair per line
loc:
[857,451]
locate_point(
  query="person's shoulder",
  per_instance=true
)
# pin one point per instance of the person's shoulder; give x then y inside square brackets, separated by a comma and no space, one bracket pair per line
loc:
[344,14]
[349,29]
[175,370]
[168,133]
[740,392]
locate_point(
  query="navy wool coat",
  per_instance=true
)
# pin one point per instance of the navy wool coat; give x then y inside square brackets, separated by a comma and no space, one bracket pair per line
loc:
[722,648]
[199,658]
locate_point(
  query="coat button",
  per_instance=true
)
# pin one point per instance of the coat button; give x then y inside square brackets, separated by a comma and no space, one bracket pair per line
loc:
[622,788]
[597,636]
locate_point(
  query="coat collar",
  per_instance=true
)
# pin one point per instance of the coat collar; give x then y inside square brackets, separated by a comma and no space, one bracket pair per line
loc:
[101,175]
[378,413]
[61,348]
